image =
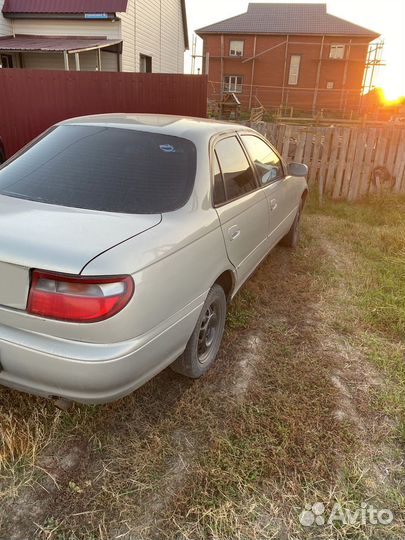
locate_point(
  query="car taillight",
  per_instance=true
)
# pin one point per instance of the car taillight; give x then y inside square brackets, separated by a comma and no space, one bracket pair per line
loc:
[78,299]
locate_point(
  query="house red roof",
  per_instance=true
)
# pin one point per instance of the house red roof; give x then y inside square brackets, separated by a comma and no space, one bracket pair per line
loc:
[64,6]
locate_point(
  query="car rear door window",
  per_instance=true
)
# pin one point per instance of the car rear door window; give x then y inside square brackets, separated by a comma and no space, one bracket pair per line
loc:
[104,168]
[219,188]
[266,161]
[237,173]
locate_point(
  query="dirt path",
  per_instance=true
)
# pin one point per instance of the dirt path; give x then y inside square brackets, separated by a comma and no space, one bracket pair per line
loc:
[288,416]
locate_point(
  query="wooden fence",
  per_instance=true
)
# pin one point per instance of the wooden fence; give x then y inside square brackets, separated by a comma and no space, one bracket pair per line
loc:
[345,163]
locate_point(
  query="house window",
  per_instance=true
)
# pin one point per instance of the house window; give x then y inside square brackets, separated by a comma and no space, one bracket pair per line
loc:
[6,61]
[294,69]
[330,85]
[337,52]
[236,48]
[233,84]
[145,63]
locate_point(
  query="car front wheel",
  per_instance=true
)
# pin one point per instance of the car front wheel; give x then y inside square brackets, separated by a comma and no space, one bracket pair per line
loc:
[203,345]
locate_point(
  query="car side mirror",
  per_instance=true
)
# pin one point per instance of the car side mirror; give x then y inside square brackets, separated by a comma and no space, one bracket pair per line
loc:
[297,169]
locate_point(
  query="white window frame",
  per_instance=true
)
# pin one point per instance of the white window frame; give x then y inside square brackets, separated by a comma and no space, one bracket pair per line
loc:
[231,84]
[236,47]
[294,71]
[337,51]
[7,58]
[144,59]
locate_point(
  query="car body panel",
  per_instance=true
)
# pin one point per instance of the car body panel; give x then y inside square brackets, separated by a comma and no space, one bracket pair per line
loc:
[90,373]
[166,261]
[174,259]
[14,285]
[36,235]
[282,205]
[245,224]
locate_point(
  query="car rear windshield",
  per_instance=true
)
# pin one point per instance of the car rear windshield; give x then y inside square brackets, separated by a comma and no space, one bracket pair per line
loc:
[104,168]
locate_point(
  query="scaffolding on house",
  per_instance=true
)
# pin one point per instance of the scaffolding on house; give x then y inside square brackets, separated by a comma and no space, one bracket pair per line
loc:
[194,57]
[373,63]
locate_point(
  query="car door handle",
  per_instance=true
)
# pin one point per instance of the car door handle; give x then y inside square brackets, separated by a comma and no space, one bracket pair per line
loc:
[233,232]
[273,204]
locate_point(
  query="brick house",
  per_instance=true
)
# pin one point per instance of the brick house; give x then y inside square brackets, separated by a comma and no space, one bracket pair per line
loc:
[90,35]
[287,54]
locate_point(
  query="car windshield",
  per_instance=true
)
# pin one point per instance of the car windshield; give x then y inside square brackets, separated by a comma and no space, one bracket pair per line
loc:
[103,168]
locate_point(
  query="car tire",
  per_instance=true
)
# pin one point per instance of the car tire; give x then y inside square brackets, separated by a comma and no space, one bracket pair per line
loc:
[291,239]
[203,345]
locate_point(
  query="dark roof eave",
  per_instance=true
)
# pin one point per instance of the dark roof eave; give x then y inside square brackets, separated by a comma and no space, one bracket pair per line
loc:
[22,43]
[185,25]
[202,33]
[64,6]
[59,16]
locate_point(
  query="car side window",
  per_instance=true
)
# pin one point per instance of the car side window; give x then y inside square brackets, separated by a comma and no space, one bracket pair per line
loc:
[237,173]
[219,188]
[267,162]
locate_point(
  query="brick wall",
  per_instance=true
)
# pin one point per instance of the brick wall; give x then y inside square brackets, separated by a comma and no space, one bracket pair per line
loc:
[269,72]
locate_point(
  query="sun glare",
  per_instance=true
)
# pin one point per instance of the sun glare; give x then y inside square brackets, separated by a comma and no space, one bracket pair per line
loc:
[391,78]
[390,96]
[390,82]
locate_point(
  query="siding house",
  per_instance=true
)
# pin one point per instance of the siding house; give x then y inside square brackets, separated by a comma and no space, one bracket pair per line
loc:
[90,35]
[287,55]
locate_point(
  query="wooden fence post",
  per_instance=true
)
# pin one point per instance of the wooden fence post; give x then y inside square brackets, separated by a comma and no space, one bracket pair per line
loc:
[349,163]
[341,163]
[280,136]
[286,143]
[299,152]
[316,154]
[364,180]
[392,150]
[308,147]
[324,161]
[399,165]
[335,143]
[358,161]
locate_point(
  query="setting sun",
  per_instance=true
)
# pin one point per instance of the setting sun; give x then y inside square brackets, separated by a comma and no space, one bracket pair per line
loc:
[390,96]
[391,85]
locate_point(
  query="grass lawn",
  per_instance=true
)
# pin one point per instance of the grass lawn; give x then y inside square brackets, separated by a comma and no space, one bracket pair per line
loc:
[304,405]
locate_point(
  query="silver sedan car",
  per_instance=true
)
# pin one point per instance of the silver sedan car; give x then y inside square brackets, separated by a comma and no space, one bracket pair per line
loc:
[122,240]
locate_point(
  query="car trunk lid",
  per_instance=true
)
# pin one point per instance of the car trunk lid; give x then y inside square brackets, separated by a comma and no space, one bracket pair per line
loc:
[58,238]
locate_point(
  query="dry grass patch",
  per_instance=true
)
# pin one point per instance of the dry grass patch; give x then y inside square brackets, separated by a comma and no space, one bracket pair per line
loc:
[303,406]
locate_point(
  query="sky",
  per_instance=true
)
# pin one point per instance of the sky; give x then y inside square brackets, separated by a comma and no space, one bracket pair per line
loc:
[384,16]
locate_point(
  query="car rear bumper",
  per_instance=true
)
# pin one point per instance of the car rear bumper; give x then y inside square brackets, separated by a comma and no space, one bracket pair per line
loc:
[87,372]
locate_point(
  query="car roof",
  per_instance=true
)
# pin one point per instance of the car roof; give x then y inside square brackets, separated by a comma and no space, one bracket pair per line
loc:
[180,126]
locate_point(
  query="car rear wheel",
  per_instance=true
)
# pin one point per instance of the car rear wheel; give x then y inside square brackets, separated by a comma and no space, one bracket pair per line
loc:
[204,343]
[292,237]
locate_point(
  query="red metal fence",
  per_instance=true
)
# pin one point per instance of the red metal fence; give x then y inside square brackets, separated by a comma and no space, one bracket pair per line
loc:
[33,100]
